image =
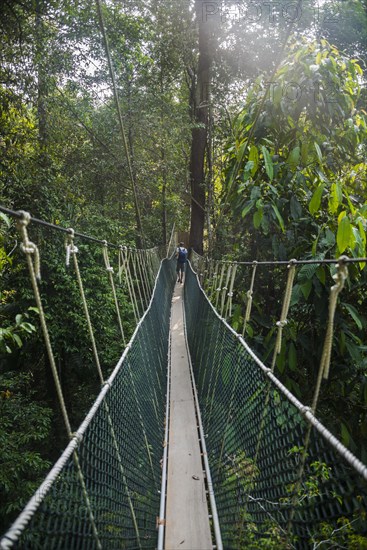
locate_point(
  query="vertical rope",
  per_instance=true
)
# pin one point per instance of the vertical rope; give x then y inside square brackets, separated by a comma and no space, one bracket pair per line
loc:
[250,294]
[133,263]
[125,267]
[214,283]
[224,289]
[145,274]
[112,282]
[283,318]
[230,292]
[31,250]
[219,286]
[339,278]
[72,250]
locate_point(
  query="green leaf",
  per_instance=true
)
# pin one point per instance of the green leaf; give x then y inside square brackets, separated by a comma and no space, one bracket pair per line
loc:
[304,153]
[355,315]
[344,236]
[254,157]
[306,272]
[279,217]
[321,275]
[241,151]
[295,208]
[345,435]
[362,234]
[5,219]
[316,199]
[292,357]
[306,288]
[18,340]
[247,208]
[268,163]
[318,151]
[293,158]
[258,216]
[336,197]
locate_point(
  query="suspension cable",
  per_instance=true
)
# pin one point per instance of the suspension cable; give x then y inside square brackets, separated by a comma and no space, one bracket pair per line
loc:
[121,123]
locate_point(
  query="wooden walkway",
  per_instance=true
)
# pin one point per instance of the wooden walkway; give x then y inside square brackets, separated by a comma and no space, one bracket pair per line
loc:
[187,516]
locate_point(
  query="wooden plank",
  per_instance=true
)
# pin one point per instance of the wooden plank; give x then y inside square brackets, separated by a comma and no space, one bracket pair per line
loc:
[187,518]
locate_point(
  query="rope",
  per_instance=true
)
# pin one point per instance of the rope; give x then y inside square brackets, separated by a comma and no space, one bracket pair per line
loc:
[249,295]
[124,266]
[31,250]
[19,215]
[339,278]
[230,292]
[143,275]
[283,318]
[110,274]
[72,250]
[133,262]
[120,119]
[225,288]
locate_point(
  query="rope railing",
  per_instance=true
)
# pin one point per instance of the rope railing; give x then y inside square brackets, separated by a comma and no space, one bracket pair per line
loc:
[104,490]
[279,476]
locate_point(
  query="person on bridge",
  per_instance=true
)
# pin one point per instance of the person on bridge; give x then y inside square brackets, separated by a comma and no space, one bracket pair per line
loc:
[181,256]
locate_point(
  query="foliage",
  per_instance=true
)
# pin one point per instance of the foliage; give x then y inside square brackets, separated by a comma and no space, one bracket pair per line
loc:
[25,428]
[296,178]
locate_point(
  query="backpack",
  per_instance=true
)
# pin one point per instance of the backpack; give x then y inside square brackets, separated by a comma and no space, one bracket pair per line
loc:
[182,254]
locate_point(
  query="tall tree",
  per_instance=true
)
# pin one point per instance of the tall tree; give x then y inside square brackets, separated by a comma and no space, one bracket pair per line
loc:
[207,20]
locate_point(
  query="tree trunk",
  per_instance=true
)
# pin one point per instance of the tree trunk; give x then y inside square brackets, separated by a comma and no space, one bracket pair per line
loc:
[206,22]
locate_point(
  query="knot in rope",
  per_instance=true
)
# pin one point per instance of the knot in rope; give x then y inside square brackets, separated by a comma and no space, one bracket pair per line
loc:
[27,246]
[70,246]
[77,436]
[286,303]
[106,257]
[339,277]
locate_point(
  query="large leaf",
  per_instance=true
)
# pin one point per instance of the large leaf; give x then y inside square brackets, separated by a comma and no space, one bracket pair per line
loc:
[316,199]
[336,197]
[306,273]
[359,321]
[254,157]
[295,208]
[241,150]
[344,236]
[293,158]
[318,151]
[258,216]
[268,162]
[247,208]
[279,217]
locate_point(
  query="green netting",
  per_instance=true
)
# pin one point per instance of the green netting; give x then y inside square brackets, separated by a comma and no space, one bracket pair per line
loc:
[254,436]
[119,454]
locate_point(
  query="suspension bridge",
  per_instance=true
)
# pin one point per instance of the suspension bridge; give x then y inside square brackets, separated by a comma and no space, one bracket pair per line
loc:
[192,442]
